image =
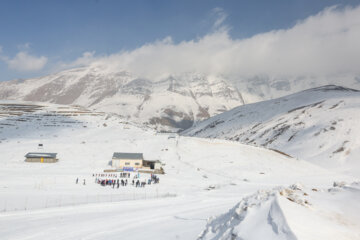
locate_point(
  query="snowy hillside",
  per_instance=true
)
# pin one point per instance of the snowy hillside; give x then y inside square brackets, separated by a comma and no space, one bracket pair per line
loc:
[291,213]
[204,177]
[174,102]
[319,125]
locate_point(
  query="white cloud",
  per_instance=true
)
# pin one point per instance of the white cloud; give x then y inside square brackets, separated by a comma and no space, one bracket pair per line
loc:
[326,44]
[221,16]
[24,47]
[86,59]
[24,62]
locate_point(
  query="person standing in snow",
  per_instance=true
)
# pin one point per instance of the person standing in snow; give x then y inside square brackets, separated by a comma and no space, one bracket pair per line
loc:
[77,180]
[84,182]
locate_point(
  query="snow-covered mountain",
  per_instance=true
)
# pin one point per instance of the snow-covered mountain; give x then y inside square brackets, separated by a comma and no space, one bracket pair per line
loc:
[319,125]
[174,102]
[204,177]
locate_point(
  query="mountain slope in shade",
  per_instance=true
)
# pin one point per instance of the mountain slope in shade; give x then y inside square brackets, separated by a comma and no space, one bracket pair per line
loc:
[175,102]
[319,125]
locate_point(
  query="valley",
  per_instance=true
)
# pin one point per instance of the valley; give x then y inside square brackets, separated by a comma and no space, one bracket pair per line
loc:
[203,177]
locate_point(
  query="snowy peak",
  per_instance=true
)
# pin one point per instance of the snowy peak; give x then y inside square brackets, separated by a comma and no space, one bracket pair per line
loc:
[174,102]
[327,88]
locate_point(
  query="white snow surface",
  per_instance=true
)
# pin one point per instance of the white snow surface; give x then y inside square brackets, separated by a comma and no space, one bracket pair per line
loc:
[291,213]
[319,125]
[203,178]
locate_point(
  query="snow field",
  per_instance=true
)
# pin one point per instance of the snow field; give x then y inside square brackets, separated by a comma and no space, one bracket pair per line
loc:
[204,177]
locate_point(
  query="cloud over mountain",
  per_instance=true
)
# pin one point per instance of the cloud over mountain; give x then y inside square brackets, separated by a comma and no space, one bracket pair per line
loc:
[323,45]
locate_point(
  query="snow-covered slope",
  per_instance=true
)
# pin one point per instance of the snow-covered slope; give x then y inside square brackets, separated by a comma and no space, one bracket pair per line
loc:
[319,125]
[174,102]
[204,177]
[291,213]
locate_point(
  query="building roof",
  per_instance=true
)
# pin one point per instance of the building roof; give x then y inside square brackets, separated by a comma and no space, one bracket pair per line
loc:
[152,161]
[120,155]
[40,155]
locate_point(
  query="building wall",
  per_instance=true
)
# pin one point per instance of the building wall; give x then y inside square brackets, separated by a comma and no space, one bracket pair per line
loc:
[45,160]
[121,163]
[157,166]
[115,163]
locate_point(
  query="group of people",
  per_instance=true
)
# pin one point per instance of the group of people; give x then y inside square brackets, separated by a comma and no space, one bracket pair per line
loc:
[113,179]
[111,182]
[155,178]
[112,175]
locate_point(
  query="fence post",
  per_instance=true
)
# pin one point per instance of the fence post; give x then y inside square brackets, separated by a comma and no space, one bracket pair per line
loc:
[26,200]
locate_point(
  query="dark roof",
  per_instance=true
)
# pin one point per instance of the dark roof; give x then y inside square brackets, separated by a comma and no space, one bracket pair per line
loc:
[152,161]
[121,155]
[40,155]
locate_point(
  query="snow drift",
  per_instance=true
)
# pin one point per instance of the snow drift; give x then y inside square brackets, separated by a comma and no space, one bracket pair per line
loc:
[290,213]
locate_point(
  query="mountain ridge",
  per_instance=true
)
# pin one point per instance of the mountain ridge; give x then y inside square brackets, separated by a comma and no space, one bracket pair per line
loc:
[318,125]
[172,103]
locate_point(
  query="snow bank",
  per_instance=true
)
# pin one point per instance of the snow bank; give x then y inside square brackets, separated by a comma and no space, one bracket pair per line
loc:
[290,213]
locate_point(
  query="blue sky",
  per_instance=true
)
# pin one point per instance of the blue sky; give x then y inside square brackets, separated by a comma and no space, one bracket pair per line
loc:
[48,32]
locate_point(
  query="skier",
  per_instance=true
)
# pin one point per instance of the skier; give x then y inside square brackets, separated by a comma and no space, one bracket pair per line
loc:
[84,182]
[77,180]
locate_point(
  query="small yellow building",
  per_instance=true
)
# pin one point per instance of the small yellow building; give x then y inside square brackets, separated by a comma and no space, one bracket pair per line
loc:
[127,161]
[41,157]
